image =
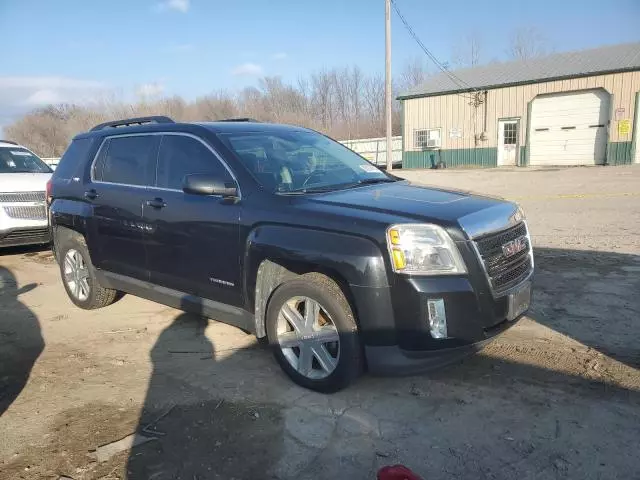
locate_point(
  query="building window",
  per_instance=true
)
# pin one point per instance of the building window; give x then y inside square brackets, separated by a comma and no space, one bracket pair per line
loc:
[510,133]
[427,138]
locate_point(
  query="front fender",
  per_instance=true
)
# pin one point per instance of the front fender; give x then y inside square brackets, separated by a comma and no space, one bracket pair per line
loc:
[357,260]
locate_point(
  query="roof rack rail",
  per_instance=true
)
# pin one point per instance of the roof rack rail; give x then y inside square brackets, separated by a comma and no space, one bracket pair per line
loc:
[133,121]
[240,119]
[9,141]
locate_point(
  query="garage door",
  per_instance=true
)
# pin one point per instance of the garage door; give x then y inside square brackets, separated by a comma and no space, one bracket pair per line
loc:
[569,128]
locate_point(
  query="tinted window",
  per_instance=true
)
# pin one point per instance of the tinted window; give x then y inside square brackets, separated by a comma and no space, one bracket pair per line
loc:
[129,160]
[20,160]
[180,156]
[73,157]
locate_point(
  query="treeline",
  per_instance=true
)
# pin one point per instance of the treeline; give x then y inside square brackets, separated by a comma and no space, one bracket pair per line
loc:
[343,103]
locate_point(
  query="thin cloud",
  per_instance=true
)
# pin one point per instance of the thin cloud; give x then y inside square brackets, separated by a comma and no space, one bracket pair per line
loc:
[147,90]
[20,94]
[9,82]
[175,5]
[279,56]
[46,96]
[247,69]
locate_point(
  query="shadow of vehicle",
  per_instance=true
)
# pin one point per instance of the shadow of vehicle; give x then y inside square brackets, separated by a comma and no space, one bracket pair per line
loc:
[21,342]
[592,297]
[194,435]
[27,250]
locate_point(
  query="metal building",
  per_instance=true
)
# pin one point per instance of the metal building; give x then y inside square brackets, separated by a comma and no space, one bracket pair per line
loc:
[575,108]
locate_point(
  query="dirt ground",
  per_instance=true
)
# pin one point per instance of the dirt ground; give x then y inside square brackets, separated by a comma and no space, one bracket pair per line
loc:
[557,396]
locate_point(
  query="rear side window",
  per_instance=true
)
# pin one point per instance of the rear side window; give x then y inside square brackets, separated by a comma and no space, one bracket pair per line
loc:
[128,160]
[181,155]
[73,158]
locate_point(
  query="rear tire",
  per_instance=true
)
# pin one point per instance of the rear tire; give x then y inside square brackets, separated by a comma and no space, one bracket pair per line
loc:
[79,275]
[313,333]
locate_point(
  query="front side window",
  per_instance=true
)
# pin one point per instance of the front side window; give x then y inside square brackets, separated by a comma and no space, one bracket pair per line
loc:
[21,160]
[301,161]
[180,156]
[128,160]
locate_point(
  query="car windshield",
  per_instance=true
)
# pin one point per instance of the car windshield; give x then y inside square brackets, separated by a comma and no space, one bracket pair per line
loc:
[20,160]
[294,162]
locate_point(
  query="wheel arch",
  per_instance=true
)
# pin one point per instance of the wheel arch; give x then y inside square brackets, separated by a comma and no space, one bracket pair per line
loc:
[277,254]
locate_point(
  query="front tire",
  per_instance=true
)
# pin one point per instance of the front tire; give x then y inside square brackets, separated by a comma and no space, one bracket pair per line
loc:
[79,275]
[313,333]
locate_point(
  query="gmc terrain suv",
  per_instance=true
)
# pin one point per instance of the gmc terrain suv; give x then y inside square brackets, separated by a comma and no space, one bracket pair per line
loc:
[286,233]
[23,181]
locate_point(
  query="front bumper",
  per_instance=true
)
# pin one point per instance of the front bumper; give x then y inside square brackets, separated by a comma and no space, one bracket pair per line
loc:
[393,360]
[25,236]
[18,231]
[395,327]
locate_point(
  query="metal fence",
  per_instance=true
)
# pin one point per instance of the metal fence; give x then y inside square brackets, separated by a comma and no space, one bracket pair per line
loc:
[52,161]
[375,149]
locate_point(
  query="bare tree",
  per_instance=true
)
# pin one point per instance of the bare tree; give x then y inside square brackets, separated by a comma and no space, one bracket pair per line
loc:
[468,53]
[414,73]
[526,43]
[344,103]
[322,96]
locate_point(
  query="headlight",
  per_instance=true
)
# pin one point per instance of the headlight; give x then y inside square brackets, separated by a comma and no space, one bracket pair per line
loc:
[423,249]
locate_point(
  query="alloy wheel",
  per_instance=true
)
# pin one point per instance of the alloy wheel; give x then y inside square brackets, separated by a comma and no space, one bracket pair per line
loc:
[308,337]
[76,275]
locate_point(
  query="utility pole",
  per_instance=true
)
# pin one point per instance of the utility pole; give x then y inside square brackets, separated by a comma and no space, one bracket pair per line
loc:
[387,81]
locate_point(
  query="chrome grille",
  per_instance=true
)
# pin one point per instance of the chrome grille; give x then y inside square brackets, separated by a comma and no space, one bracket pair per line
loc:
[505,272]
[27,212]
[18,197]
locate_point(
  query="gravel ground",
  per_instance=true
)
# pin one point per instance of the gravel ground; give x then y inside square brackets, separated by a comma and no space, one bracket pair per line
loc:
[557,396]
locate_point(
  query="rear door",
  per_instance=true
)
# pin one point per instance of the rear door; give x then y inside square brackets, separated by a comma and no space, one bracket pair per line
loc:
[121,175]
[193,241]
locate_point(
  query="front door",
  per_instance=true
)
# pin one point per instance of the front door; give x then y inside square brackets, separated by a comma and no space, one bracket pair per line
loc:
[120,177]
[507,142]
[193,243]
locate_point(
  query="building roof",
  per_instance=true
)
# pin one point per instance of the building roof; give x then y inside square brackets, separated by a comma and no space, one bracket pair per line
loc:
[610,59]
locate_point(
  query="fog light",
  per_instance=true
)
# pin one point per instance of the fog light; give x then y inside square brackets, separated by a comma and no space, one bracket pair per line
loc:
[437,318]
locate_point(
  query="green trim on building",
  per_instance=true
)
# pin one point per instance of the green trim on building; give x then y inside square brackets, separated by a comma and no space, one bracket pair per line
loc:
[524,159]
[527,140]
[620,153]
[461,157]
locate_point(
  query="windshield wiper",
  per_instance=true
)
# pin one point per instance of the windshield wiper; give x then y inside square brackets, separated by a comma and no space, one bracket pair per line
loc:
[338,186]
[297,191]
[369,181]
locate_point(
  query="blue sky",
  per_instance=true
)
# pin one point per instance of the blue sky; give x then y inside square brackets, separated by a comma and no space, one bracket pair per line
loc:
[68,50]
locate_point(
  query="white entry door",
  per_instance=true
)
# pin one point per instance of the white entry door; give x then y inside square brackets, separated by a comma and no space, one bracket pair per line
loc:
[507,142]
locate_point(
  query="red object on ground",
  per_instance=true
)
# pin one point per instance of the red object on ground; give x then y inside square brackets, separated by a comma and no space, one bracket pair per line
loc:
[396,472]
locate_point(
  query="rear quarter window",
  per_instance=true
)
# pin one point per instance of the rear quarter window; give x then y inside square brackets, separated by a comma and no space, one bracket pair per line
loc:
[73,158]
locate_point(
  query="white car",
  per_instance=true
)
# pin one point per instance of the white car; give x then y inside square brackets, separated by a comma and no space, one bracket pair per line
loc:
[23,197]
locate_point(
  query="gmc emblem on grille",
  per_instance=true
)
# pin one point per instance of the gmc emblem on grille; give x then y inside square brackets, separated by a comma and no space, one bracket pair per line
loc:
[509,249]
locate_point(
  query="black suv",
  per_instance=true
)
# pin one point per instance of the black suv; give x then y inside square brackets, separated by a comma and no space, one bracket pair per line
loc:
[288,234]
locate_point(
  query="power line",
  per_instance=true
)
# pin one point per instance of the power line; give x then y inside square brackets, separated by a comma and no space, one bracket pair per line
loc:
[454,78]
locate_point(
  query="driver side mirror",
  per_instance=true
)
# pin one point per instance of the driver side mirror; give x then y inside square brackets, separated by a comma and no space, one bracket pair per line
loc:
[208,184]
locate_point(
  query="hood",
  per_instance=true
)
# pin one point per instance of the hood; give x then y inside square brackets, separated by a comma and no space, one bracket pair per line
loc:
[404,201]
[24,182]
